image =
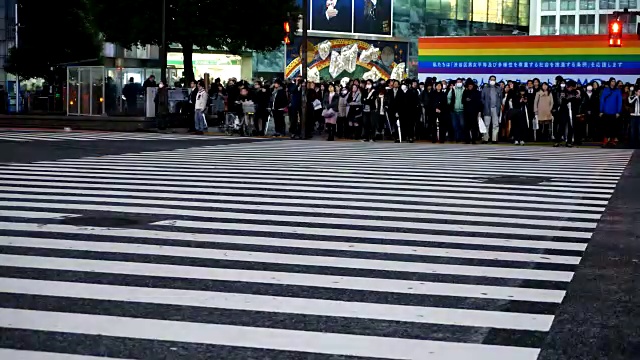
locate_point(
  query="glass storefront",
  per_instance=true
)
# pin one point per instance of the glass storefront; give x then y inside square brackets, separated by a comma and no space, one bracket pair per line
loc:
[85,90]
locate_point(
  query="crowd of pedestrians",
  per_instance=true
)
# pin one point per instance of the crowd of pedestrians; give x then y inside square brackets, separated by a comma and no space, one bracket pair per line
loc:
[565,113]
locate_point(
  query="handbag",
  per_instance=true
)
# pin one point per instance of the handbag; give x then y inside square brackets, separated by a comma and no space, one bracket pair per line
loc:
[317,105]
[481,125]
[328,113]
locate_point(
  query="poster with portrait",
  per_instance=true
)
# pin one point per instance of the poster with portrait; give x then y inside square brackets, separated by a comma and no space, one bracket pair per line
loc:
[332,15]
[372,17]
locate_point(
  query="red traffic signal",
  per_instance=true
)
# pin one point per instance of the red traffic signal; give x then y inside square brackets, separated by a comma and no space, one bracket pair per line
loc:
[615,33]
[287,31]
[615,27]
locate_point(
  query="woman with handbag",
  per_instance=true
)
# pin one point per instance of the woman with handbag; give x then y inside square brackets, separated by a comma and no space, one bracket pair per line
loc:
[330,112]
[354,111]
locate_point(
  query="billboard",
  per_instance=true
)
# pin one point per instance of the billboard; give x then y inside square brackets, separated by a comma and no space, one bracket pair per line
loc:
[583,58]
[371,17]
[371,59]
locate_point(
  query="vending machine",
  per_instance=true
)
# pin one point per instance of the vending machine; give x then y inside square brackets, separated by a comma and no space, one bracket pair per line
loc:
[14,102]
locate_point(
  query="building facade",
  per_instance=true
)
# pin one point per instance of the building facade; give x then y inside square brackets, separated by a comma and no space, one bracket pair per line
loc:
[7,35]
[579,17]
[413,19]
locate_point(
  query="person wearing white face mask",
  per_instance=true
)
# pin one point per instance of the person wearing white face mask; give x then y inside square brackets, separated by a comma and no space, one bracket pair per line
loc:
[492,104]
[454,99]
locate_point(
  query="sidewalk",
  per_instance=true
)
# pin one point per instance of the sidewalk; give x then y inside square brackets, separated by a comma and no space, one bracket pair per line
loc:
[100,123]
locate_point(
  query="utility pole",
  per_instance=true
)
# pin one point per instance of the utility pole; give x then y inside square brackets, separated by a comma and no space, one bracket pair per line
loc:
[303,71]
[16,46]
[163,48]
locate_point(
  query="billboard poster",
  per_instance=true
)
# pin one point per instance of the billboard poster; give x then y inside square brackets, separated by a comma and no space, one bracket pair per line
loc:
[370,17]
[583,58]
[332,15]
[331,59]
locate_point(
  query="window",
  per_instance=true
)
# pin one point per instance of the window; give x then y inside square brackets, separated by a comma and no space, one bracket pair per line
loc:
[548,25]
[623,4]
[567,4]
[604,24]
[587,24]
[548,5]
[587,4]
[607,4]
[567,24]
[630,26]
[633,4]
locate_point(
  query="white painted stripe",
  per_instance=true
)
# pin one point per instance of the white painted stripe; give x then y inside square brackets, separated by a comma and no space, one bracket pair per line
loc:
[340,178]
[306,243]
[286,259]
[300,230]
[11,354]
[262,338]
[442,172]
[203,195]
[310,191]
[306,219]
[347,160]
[345,246]
[276,304]
[328,173]
[284,278]
[35,215]
[242,181]
[503,219]
[344,163]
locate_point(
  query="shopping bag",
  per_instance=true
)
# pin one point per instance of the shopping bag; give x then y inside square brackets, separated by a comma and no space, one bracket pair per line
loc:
[536,123]
[481,125]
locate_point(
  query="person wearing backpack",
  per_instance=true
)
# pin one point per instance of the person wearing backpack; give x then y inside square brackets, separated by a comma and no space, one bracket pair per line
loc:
[610,109]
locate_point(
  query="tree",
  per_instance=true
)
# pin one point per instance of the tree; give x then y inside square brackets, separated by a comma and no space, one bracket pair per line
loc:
[52,33]
[228,25]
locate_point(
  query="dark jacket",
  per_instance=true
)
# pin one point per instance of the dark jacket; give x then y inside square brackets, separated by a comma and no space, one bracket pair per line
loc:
[439,101]
[396,102]
[162,101]
[333,105]
[471,102]
[278,99]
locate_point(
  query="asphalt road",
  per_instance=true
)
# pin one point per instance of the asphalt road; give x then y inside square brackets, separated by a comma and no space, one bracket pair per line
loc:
[223,248]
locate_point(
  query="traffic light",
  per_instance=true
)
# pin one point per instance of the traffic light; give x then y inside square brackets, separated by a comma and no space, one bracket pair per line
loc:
[287,32]
[615,33]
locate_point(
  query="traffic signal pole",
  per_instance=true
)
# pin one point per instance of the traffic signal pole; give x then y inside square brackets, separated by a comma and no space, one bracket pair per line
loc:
[303,71]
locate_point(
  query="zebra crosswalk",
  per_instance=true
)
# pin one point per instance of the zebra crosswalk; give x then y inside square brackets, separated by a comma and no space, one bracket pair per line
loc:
[295,250]
[30,136]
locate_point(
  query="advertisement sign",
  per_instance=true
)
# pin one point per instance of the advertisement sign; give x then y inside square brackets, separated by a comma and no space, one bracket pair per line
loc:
[371,17]
[583,58]
[355,59]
